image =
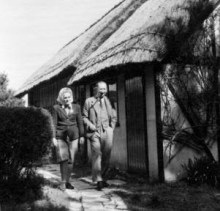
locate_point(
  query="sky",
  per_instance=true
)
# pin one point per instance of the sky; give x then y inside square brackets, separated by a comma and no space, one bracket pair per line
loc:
[32,31]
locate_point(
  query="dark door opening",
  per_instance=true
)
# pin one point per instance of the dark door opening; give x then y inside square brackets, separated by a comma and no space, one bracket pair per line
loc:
[136,130]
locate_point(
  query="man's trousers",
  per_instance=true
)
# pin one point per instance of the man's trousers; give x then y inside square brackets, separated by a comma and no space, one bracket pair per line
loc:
[101,145]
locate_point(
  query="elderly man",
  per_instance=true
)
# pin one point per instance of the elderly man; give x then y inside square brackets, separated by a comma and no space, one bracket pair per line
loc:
[100,119]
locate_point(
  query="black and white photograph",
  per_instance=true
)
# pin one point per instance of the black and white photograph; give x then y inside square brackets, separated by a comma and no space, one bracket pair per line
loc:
[109,105]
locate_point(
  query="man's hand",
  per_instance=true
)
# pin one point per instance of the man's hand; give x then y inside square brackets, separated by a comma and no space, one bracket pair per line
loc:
[92,127]
[55,142]
[81,140]
[97,134]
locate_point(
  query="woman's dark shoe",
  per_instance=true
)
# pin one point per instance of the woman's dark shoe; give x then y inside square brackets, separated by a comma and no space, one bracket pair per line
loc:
[69,186]
[100,185]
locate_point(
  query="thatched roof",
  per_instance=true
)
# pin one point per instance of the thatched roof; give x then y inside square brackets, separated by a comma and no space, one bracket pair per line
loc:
[83,45]
[147,35]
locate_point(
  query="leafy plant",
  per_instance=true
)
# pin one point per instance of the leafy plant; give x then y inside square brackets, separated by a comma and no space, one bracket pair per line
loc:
[202,171]
[189,83]
[7,98]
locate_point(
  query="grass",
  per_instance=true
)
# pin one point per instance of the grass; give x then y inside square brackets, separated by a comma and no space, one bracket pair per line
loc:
[137,194]
[167,197]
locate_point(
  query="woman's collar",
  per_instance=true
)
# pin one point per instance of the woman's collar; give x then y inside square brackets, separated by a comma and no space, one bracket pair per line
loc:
[67,106]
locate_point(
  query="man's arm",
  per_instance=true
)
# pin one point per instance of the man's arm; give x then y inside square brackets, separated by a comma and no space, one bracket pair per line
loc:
[113,118]
[54,117]
[85,115]
[112,113]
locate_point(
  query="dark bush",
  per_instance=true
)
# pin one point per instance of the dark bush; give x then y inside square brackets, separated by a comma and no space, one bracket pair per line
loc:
[25,137]
[21,189]
[202,171]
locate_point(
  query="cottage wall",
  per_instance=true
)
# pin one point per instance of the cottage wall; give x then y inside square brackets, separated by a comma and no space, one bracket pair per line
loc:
[119,151]
[139,152]
[151,119]
[174,155]
[45,95]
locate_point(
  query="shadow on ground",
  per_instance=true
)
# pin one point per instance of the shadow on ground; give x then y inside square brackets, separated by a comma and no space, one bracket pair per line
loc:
[177,196]
[139,195]
[134,191]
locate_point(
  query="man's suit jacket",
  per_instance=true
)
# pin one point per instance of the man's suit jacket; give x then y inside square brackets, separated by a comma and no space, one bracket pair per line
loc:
[91,112]
[68,125]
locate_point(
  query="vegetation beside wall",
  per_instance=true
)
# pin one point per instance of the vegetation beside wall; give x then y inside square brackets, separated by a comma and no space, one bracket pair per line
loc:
[7,98]
[202,171]
[189,87]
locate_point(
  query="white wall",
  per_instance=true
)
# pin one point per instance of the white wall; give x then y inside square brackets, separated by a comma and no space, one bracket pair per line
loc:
[119,151]
[25,99]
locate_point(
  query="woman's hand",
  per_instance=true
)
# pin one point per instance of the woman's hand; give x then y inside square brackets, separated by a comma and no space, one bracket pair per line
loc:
[55,142]
[81,140]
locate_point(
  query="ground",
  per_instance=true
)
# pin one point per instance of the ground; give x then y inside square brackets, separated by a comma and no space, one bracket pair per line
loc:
[126,192]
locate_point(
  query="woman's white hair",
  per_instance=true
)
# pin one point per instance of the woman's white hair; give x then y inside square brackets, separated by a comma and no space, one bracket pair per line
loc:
[61,94]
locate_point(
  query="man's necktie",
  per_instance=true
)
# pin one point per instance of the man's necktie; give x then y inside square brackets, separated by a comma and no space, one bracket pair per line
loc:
[101,103]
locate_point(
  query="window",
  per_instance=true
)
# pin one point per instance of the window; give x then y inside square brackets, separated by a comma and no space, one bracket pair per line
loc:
[113,97]
[80,95]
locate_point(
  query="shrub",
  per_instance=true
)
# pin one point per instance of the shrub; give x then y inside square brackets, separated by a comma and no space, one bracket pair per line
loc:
[21,189]
[202,171]
[25,137]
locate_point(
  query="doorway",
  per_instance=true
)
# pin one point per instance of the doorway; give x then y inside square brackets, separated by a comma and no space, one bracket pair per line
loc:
[136,125]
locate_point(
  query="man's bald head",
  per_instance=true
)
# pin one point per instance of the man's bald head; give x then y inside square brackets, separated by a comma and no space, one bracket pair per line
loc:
[101,87]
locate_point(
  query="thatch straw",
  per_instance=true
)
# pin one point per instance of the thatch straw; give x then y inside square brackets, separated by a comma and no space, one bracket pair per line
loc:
[144,36]
[82,46]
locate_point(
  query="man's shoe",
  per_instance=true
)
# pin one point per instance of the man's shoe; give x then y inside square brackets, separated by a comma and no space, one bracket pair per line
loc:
[105,184]
[69,186]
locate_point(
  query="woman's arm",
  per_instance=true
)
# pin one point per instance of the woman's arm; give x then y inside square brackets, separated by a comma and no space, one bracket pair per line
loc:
[54,116]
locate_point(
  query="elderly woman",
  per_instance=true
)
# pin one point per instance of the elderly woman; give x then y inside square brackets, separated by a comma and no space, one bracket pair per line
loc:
[69,129]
